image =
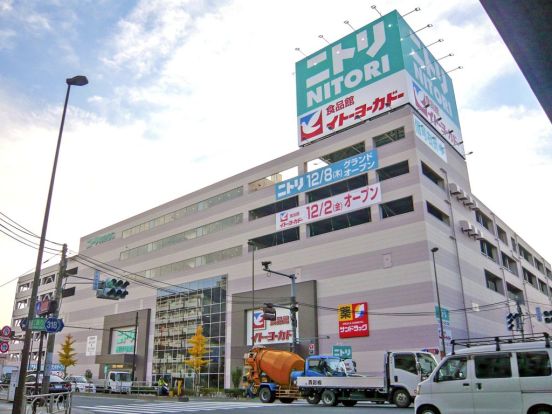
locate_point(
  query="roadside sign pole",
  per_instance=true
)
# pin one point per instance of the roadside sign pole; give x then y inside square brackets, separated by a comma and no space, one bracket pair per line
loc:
[38,363]
[52,336]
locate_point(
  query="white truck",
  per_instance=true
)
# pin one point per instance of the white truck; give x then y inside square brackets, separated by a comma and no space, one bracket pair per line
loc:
[402,373]
[116,381]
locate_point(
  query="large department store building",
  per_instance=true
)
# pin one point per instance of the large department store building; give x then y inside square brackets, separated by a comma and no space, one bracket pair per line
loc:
[354,216]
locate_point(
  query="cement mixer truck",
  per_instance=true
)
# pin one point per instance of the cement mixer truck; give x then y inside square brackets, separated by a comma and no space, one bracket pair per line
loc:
[283,375]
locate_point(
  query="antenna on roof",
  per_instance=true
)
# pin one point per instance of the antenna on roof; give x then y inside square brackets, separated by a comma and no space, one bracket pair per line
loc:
[456,68]
[434,43]
[376,9]
[323,38]
[298,49]
[349,24]
[411,11]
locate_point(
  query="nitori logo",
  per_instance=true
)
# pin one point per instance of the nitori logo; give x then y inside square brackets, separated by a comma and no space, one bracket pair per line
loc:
[360,311]
[311,125]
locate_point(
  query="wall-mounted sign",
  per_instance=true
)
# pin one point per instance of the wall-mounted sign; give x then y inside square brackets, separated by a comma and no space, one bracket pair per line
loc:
[376,68]
[271,332]
[122,340]
[353,320]
[95,241]
[91,344]
[430,139]
[332,173]
[342,351]
[329,207]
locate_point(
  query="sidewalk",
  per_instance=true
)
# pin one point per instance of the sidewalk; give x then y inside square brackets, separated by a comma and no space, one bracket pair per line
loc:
[6,407]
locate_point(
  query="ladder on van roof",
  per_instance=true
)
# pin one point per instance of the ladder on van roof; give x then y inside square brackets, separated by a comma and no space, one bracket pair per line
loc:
[497,340]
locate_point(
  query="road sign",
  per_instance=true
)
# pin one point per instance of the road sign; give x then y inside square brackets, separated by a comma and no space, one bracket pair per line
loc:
[4,347]
[53,325]
[538,313]
[37,324]
[24,324]
[6,331]
[311,348]
[342,351]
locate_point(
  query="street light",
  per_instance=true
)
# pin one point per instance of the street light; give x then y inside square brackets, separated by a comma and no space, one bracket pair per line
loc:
[18,405]
[433,250]
[253,245]
[293,307]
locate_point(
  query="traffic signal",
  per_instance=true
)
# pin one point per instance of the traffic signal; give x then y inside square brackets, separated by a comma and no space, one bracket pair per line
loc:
[269,313]
[511,319]
[113,289]
[547,316]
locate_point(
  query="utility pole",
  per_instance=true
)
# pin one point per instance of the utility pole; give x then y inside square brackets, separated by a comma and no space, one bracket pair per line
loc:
[134,348]
[520,319]
[52,336]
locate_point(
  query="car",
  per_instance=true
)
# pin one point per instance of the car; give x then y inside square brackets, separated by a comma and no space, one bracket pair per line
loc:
[80,384]
[491,375]
[57,384]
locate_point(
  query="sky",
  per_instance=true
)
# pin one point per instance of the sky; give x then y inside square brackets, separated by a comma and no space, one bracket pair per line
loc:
[183,94]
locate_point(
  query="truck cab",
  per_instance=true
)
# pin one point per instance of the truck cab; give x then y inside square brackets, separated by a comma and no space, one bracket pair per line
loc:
[324,366]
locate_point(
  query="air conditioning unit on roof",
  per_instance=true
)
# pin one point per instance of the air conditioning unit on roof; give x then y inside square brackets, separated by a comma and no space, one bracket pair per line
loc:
[462,195]
[454,189]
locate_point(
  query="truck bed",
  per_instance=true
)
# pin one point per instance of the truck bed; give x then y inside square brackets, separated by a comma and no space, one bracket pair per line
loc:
[359,382]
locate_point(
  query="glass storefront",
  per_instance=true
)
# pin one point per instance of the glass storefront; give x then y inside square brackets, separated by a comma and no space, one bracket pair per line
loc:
[178,313]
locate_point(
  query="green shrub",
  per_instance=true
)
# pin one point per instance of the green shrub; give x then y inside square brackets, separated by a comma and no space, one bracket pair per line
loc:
[234,392]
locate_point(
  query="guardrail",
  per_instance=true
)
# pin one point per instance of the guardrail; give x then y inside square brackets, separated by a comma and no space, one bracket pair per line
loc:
[49,403]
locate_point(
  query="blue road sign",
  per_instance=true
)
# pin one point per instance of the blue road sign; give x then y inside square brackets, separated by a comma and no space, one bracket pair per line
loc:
[538,313]
[53,325]
[96,280]
[24,324]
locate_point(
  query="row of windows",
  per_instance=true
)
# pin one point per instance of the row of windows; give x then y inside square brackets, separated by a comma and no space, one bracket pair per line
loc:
[494,283]
[201,231]
[193,262]
[185,211]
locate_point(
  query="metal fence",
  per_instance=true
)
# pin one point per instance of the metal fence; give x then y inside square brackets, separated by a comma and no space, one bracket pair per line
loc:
[48,403]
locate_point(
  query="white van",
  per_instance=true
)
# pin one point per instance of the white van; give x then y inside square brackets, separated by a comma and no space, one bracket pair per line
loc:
[498,375]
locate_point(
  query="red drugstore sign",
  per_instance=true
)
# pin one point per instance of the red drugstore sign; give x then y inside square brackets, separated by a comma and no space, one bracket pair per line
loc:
[353,320]
[329,207]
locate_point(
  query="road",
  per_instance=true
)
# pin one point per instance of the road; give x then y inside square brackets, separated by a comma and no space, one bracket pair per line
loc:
[116,405]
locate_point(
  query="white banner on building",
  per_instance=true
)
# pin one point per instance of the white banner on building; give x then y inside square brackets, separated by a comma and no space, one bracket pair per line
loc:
[271,332]
[91,343]
[329,207]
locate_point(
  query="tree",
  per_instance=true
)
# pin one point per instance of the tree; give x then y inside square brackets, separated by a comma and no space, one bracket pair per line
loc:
[236,377]
[88,375]
[197,353]
[67,354]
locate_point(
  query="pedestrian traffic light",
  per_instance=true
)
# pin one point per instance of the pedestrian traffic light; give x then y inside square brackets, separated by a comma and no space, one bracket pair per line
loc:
[113,289]
[511,319]
[269,313]
[547,316]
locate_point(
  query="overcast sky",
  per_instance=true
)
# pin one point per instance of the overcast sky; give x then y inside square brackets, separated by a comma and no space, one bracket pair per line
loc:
[183,94]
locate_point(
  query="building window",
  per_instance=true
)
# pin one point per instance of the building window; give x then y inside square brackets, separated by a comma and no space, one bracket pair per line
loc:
[526,255]
[275,239]
[201,231]
[337,188]
[392,171]
[433,176]
[543,287]
[389,137]
[548,273]
[335,156]
[488,249]
[179,311]
[539,266]
[185,211]
[273,179]
[515,294]
[193,262]
[493,282]
[514,244]
[485,221]
[438,214]
[530,277]
[396,207]
[502,235]
[21,304]
[509,264]
[24,287]
[273,208]
[339,222]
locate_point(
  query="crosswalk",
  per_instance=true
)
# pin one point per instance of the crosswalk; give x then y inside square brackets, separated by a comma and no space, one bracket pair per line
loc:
[172,407]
